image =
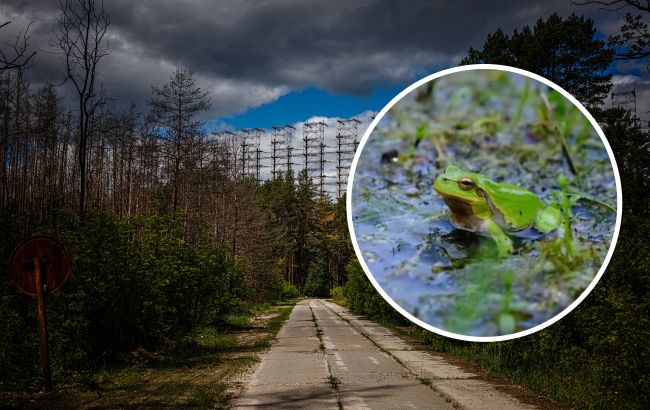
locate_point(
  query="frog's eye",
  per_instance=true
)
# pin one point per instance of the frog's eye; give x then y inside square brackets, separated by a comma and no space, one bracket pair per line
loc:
[466,184]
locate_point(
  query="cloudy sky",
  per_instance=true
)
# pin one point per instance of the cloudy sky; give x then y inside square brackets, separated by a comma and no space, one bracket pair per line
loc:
[279,62]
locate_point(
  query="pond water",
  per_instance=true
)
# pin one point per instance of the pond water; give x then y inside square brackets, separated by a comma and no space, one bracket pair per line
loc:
[510,129]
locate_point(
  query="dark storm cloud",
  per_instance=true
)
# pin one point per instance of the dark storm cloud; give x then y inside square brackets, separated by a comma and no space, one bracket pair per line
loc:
[346,46]
[251,52]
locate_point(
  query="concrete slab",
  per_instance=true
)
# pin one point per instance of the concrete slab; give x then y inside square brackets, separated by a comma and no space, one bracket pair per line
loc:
[289,397]
[391,343]
[300,323]
[286,368]
[369,377]
[371,361]
[297,331]
[477,394]
[297,344]
[293,374]
[334,323]
[346,343]
[460,387]
[426,366]
[397,395]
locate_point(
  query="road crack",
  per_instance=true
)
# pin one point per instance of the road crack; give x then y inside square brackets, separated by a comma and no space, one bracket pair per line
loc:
[333,381]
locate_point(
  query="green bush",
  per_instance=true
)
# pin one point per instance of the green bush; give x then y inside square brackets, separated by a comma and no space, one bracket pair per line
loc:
[363,298]
[19,348]
[131,285]
[338,295]
[200,284]
[288,291]
[318,281]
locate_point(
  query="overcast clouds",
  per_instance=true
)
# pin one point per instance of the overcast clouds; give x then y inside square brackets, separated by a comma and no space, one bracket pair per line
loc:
[248,53]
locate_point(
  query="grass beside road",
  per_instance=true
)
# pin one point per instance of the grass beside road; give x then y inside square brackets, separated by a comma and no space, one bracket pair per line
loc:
[199,371]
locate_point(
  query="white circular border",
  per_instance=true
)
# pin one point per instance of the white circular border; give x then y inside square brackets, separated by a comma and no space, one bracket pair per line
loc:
[619,203]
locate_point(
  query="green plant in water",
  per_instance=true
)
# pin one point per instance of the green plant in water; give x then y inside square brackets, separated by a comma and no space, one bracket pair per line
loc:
[422,132]
[522,103]
[563,251]
[488,125]
[507,321]
[555,121]
[570,246]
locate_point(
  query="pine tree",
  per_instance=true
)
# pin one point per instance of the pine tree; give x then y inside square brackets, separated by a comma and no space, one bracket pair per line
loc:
[563,51]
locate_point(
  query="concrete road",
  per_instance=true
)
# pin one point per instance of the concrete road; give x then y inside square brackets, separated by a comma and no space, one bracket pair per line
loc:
[327,358]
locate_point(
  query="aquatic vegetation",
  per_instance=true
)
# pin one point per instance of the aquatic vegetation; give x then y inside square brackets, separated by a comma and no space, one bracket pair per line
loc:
[512,130]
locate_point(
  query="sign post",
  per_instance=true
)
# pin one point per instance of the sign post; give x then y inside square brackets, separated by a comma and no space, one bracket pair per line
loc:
[40,266]
[42,325]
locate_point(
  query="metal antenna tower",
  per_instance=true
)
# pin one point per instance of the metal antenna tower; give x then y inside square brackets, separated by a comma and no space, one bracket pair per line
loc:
[314,151]
[281,150]
[243,136]
[251,153]
[346,138]
[257,135]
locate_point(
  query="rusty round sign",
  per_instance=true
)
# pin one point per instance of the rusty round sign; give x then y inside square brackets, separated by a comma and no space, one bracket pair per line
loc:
[54,262]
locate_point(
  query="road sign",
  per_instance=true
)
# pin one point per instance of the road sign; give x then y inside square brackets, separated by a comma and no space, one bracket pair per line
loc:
[54,264]
[40,266]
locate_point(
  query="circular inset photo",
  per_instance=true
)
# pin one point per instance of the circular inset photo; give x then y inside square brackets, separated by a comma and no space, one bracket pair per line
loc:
[484,203]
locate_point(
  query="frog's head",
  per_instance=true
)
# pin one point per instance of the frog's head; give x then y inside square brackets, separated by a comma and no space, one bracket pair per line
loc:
[459,187]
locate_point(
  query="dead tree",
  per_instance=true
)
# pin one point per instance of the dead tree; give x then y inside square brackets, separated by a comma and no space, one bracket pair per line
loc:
[82,26]
[174,109]
[17,56]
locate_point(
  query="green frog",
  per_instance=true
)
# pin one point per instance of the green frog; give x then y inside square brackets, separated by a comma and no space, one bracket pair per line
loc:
[478,204]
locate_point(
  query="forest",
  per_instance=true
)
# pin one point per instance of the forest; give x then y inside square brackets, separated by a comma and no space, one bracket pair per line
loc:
[166,235]
[170,235]
[165,231]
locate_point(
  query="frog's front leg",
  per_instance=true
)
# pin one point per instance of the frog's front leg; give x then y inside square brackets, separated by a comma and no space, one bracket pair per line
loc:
[504,244]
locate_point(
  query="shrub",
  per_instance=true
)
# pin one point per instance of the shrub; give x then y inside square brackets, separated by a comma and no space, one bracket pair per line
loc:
[131,285]
[288,291]
[318,281]
[338,294]
[363,298]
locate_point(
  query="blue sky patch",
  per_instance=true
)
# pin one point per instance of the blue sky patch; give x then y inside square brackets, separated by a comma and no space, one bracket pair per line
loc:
[300,105]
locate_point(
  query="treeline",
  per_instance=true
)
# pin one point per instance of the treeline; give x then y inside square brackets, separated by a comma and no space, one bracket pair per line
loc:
[171,233]
[598,355]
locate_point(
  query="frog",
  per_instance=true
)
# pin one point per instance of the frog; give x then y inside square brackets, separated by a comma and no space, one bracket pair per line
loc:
[499,209]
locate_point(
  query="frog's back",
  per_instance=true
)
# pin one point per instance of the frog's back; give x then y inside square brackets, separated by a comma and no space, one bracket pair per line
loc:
[517,205]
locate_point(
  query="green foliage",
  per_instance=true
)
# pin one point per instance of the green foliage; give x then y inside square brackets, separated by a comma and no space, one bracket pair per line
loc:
[287,291]
[338,295]
[309,229]
[200,282]
[131,285]
[632,157]
[565,51]
[19,351]
[362,298]
[318,281]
